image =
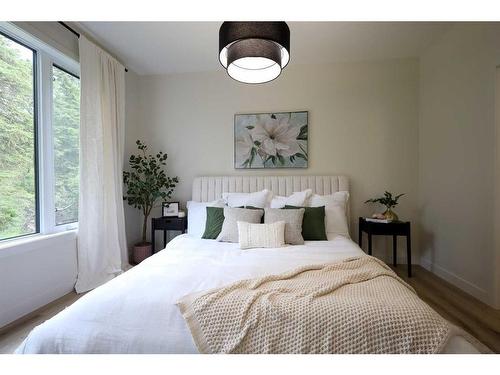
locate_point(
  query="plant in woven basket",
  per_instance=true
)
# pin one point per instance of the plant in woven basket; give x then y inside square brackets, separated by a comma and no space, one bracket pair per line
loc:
[389,201]
[147,182]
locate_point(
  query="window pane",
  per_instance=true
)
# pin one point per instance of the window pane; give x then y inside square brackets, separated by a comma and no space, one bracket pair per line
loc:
[66,126]
[18,213]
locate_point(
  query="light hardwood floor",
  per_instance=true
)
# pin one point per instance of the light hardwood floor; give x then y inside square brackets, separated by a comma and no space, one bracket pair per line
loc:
[465,311]
[480,320]
[14,333]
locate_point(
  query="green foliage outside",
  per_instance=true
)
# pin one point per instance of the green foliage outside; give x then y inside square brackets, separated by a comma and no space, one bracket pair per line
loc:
[66,127]
[17,142]
[17,151]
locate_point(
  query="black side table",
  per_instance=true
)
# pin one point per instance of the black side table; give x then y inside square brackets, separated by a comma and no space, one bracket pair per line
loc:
[166,223]
[394,229]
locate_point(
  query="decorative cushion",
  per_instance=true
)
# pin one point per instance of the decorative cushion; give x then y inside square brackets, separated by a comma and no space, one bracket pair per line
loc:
[293,223]
[313,223]
[197,216]
[229,232]
[215,219]
[335,211]
[259,199]
[299,198]
[261,235]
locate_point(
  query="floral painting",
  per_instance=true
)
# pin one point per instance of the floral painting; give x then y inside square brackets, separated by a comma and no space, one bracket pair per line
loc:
[271,140]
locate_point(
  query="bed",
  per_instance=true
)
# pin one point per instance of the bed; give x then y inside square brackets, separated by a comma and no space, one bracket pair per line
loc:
[137,312]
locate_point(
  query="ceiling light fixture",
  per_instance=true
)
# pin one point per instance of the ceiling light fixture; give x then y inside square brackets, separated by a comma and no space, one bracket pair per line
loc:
[254,52]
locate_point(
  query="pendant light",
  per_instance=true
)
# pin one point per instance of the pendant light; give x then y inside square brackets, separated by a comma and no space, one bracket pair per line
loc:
[254,52]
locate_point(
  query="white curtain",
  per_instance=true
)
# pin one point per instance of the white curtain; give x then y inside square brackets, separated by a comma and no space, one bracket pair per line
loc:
[102,250]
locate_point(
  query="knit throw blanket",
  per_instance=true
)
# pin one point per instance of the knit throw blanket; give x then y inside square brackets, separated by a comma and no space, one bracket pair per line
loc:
[358,305]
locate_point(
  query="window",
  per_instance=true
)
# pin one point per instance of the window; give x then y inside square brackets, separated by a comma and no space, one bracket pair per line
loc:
[18,185]
[39,136]
[66,125]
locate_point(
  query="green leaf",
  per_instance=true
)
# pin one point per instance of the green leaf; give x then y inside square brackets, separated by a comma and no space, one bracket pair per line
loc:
[252,157]
[301,155]
[147,182]
[303,133]
[281,159]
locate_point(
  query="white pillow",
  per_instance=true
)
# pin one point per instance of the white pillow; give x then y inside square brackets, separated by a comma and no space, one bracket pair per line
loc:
[197,216]
[298,199]
[258,199]
[335,213]
[261,235]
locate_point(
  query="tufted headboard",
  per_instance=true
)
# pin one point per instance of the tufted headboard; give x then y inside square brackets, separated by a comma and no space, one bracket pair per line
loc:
[208,188]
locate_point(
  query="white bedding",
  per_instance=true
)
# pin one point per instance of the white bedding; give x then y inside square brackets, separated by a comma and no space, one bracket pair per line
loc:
[136,312]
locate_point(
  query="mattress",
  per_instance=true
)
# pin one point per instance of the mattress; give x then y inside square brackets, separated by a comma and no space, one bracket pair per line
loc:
[137,313]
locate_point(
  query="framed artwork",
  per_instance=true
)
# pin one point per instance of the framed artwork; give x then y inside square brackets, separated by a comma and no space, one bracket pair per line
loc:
[170,209]
[271,140]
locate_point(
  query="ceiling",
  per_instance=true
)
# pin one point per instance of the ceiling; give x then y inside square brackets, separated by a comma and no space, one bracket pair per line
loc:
[180,47]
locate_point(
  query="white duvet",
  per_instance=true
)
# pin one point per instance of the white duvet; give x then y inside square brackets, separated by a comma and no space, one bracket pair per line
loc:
[137,313]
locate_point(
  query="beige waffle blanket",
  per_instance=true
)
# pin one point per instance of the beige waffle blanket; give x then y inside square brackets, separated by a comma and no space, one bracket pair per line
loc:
[358,305]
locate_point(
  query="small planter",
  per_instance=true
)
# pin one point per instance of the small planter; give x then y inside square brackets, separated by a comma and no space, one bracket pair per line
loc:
[142,251]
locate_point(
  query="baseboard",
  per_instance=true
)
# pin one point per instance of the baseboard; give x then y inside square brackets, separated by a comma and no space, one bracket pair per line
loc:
[27,307]
[456,280]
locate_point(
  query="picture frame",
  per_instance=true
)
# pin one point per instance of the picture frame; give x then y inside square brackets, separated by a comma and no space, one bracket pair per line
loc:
[271,140]
[170,209]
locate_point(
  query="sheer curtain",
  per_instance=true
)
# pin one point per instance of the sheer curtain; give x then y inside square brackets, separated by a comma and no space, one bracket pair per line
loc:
[102,250]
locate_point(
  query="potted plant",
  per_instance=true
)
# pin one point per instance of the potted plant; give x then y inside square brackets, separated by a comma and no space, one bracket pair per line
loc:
[146,183]
[389,202]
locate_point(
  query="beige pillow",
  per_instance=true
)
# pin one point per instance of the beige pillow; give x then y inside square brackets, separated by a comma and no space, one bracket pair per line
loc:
[293,223]
[261,235]
[229,231]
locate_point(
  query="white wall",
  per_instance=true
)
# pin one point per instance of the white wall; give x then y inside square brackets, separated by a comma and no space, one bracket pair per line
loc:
[34,272]
[55,35]
[363,122]
[457,157]
[132,125]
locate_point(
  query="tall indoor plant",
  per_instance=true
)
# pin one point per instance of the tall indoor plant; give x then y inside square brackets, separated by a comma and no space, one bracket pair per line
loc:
[147,182]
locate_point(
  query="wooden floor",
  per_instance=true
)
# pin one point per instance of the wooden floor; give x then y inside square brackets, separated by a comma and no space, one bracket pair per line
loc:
[480,320]
[458,307]
[14,333]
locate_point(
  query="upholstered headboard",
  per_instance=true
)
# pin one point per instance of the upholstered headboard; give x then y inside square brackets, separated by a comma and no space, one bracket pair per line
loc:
[208,188]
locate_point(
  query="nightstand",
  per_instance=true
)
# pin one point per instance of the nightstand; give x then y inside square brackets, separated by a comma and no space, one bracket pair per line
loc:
[394,229]
[165,224]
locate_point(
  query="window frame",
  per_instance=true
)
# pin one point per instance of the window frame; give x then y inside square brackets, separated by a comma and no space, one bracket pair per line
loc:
[74,224]
[46,57]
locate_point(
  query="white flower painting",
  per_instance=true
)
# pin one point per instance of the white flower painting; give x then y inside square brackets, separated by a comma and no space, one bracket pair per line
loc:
[271,140]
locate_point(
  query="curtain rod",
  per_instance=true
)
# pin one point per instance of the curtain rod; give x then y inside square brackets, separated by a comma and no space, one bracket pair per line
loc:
[73,31]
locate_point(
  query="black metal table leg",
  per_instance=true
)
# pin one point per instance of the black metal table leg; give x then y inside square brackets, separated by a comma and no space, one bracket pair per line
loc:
[369,244]
[408,251]
[152,235]
[394,250]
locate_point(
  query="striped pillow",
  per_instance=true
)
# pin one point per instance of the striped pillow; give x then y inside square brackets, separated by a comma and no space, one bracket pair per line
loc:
[261,235]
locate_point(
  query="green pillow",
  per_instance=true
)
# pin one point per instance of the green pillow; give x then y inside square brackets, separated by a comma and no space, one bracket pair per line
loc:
[313,223]
[213,225]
